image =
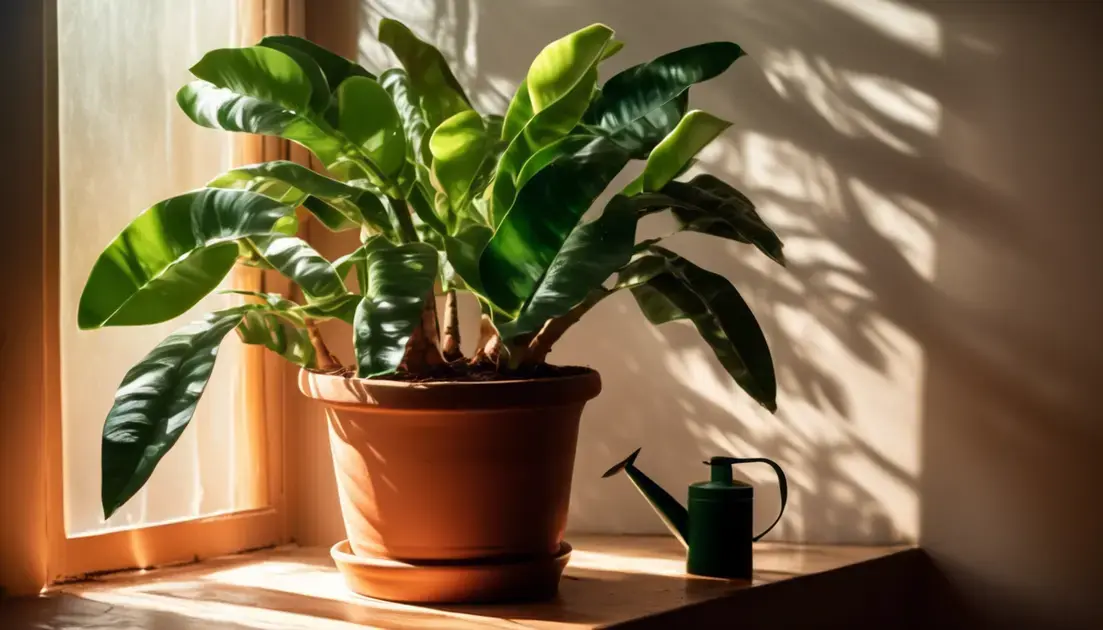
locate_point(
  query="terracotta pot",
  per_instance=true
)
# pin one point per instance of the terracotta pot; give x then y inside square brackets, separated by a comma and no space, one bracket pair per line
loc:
[453,471]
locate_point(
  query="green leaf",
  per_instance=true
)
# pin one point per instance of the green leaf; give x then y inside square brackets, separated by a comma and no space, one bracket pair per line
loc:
[400,279]
[263,73]
[548,105]
[592,253]
[461,147]
[278,335]
[173,254]
[440,94]
[359,257]
[612,48]
[725,322]
[342,307]
[218,108]
[366,116]
[155,402]
[319,88]
[297,260]
[273,300]
[291,183]
[463,251]
[398,85]
[692,134]
[334,67]
[547,209]
[707,204]
[642,104]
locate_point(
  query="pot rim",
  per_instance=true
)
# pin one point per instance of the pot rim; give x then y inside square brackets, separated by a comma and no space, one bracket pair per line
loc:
[364,394]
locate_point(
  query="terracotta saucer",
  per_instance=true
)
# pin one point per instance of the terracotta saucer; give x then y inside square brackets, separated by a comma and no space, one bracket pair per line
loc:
[452,582]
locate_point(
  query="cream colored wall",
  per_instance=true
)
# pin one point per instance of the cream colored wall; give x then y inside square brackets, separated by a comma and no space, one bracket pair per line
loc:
[934,170]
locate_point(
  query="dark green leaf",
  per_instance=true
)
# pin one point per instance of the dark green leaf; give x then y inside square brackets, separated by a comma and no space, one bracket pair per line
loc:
[547,209]
[640,105]
[400,279]
[173,254]
[707,204]
[154,404]
[592,253]
[319,88]
[725,322]
[297,260]
[274,332]
[464,250]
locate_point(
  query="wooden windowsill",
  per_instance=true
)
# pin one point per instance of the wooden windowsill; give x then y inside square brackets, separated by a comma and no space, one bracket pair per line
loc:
[611,580]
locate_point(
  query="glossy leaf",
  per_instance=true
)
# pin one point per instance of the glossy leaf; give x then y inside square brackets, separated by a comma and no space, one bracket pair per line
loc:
[460,147]
[670,156]
[591,253]
[218,108]
[272,331]
[297,260]
[365,115]
[548,105]
[291,183]
[707,204]
[400,279]
[547,209]
[155,402]
[319,88]
[464,250]
[398,85]
[725,322]
[173,254]
[261,72]
[640,105]
[440,94]
[334,67]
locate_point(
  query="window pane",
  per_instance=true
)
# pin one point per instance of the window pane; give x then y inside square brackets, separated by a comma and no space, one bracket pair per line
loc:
[124,145]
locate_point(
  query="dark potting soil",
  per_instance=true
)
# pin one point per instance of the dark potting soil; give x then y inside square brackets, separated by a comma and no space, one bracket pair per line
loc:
[463,372]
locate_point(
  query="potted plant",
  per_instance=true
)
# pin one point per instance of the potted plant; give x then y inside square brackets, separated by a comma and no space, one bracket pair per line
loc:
[454,472]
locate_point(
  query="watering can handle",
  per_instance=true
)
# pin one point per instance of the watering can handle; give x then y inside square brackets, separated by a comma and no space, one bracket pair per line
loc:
[783,486]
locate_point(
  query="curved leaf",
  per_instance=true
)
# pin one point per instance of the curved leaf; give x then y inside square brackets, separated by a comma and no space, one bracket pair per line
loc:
[546,210]
[173,254]
[670,156]
[334,67]
[463,252]
[272,331]
[155,402]
[364,113]
[398,85]
[400,279]
[461,147]
[263,73]
[548,105]
[707,204]
[441,95]
[319,88]
[640,105]
[297,260]
[725,322]
[218,108]
[592,253]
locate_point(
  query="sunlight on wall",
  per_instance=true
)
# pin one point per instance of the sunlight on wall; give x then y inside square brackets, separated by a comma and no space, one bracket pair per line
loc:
[910,26]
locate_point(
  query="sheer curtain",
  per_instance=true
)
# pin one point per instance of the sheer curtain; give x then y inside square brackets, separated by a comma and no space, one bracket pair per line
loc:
[124,145]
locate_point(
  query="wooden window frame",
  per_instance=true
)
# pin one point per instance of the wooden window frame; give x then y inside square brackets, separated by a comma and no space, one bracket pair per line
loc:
[35,550]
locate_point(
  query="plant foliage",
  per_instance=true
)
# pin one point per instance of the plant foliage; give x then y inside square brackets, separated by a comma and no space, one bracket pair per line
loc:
[445,198]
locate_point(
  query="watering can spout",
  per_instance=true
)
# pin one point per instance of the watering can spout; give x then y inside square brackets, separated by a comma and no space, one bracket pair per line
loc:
[669,509]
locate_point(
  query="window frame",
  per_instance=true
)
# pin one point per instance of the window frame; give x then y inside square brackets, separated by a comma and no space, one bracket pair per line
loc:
[70,558]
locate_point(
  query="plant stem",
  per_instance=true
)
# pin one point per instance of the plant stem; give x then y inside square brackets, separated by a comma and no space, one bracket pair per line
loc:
[423,351]
[537,350]
[324,358]
[450,339]
[490,344]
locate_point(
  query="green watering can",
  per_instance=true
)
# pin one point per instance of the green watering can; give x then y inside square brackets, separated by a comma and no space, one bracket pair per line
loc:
[717,527]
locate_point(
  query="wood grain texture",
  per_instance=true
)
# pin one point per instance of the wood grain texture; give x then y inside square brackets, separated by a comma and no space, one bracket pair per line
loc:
[611,582]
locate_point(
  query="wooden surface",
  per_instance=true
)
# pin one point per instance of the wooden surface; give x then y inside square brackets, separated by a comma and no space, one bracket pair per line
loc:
[610,580]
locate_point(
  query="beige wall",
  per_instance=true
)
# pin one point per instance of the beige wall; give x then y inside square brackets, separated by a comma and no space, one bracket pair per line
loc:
[934,169]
